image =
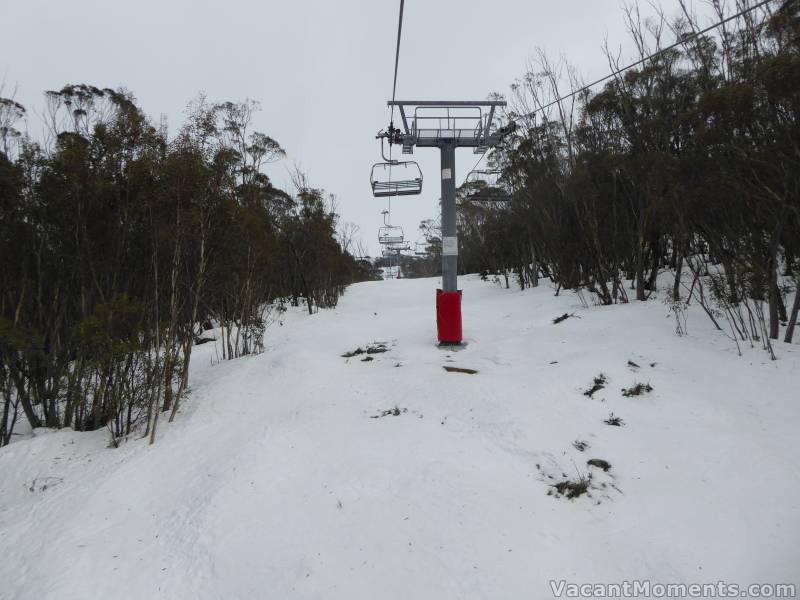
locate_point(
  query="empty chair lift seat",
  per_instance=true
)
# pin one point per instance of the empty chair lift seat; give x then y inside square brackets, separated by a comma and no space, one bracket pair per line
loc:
[396,179]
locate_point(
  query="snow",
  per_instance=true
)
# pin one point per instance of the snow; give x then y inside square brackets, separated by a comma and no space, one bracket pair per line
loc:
[275,482]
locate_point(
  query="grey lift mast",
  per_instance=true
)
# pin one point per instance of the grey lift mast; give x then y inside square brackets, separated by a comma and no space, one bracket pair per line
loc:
[447,125]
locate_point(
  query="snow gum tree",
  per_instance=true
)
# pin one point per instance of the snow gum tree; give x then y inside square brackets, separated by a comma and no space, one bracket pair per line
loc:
[687,162]
[121,242]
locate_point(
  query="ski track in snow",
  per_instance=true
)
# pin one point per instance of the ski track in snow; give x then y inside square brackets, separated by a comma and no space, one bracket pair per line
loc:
[274,482]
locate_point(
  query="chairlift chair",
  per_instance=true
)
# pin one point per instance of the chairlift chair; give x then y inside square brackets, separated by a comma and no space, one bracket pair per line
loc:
[390,234]
[395,249]
[421,248]
[486,186]
[400,247]
[386,182]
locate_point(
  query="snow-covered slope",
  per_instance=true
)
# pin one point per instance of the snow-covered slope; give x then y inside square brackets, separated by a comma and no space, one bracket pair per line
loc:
[275,482]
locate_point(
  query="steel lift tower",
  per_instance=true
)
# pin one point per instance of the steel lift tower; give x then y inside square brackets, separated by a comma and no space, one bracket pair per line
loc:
[447,126]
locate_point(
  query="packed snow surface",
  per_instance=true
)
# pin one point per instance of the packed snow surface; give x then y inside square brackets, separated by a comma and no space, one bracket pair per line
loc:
[290,475]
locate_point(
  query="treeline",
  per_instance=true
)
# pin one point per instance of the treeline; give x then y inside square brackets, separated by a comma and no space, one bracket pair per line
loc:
[120,244]
[689,162]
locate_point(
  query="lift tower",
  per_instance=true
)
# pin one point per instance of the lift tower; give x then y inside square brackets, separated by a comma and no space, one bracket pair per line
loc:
[447,126]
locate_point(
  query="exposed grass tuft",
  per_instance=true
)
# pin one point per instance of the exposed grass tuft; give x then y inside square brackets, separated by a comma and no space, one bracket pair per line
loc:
[598,384]
[564,317]
[637,390]
[570,488]
[392,412]
[376,348]
[580,445]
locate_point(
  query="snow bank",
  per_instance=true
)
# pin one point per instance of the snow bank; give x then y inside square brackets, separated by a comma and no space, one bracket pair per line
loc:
[277,482]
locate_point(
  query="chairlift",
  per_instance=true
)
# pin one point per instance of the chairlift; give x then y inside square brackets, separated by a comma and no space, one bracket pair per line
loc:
[486,186]
[391,252]
[400,247]
[395,248]
[396,178]
[390,234]
[421,248]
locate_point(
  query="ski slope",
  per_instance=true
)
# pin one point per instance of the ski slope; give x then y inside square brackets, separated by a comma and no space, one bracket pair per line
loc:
[275,482]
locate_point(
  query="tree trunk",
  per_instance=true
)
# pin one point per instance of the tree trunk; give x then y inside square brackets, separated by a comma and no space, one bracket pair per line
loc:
[187,354]
[774,298]
[7,426]
[676,287]
[774,292]
[24,398]
[534,268]
[639,275]
[794,315]
[169,364]
[655,254]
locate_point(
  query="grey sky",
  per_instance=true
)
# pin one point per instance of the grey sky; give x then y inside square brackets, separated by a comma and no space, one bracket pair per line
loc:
[322,69]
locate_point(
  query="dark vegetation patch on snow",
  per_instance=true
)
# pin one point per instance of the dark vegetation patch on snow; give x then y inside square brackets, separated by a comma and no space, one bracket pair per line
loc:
[564,317]
[637,390]
[561,485]
[571,488]
[580,445]
[599,463]
[598,384]
[460,370]
[392,412]
[635,366]
[614,421]
[352,353]
[375,348]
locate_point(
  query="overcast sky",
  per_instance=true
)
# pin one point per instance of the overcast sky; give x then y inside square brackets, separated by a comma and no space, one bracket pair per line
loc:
[322,69]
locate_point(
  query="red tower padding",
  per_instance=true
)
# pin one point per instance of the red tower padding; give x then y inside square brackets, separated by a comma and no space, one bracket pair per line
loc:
[448,316]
